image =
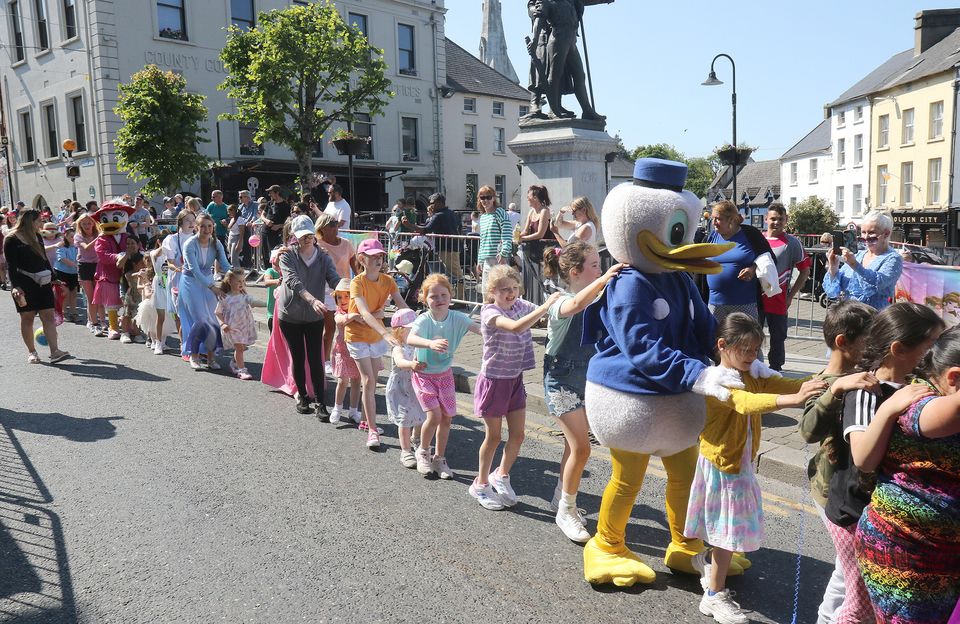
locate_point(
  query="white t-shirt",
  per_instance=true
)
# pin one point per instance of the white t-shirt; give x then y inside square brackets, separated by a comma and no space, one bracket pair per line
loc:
[514,219]
[339,210]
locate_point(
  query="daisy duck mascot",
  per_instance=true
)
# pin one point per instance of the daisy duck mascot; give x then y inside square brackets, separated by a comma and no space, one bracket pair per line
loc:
[111,247]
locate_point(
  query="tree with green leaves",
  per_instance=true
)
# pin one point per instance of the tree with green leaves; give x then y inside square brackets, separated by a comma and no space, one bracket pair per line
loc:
[700,171]
[813,215]
[300,70]
[163,124]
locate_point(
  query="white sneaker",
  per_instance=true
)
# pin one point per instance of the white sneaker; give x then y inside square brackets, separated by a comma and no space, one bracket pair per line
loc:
[149,343]
[139,339]
[91,327]
[213,364]
[336,414]
[569,522]
[441,468]
[408,459]
[424,462]
[356,416]
[486,496]
[555,506]
[699,563]
[722,607]
[157,347]
[501,484]
[125,339]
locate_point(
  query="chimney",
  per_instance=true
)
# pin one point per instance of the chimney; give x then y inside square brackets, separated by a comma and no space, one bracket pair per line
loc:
[932,26]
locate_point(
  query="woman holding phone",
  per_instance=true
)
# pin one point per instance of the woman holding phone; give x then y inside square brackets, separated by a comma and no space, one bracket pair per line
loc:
[869,275]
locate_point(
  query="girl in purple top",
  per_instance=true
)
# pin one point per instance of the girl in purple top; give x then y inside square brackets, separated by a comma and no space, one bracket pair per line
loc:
[505,322]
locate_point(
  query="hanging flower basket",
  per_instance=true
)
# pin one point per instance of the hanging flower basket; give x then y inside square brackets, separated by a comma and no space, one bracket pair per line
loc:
[350,147]
[730,155]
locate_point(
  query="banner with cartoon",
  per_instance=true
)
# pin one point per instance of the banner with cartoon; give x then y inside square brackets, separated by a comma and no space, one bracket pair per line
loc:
[935,286]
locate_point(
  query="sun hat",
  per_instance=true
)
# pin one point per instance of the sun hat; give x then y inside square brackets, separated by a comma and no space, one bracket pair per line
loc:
[403,318]
[405,267]
[342,286]
[301,226]
[371,247]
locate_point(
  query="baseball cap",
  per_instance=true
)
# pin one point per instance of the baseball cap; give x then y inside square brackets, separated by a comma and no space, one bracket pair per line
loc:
[167,200]
[371,247]
[275,187]
[437,197]
[403,318]
[301,226]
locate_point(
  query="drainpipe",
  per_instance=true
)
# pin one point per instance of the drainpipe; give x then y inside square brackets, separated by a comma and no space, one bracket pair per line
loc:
[953,147]
[437,143]
[95,151]
[8,148]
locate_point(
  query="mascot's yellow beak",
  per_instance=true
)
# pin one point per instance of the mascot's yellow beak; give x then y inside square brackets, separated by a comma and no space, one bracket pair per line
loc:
[111,228]
[692,258]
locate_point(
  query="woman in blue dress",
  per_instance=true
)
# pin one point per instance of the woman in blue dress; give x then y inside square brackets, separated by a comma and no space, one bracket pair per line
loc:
[869,276]
[198,295]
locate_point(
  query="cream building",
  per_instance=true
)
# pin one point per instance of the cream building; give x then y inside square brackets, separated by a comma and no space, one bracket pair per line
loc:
[59,79]
[481,111]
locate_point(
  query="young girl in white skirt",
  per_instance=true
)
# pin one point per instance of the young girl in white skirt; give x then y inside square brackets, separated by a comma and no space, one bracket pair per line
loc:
[236,320]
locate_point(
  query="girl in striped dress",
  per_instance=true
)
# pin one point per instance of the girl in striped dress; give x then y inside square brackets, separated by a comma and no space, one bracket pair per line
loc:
[908,539]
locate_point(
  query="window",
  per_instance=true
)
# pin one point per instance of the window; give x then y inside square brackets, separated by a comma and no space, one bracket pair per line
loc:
[858,114]
[363,127]
[838,207]
[841,153]
[793,201]
[933,181]
[79,122]
[69,18]
[469,105]
[524,110]
[857,199]
[498,109]
[43,33]
[907,136]
[472,186]
[27,154]
[410,144]
[407,58]
[499,141]
[858,150]
[470,137]
[16,26]
[813,170]
[500,186]
[936,120]
[883,131]
[906,183]
[359,22]
[882,177]
[172,19]
[48,115]
[242,14]
[248,146]
[793,174]
[841,118]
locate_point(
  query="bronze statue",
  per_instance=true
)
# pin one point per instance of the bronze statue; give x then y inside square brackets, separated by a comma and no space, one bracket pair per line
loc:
[555,65]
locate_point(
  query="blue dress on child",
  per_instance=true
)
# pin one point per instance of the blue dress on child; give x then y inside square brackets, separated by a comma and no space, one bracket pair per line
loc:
[196,304]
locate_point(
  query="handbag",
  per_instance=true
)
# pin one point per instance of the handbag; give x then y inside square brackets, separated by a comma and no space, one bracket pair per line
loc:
[42,278]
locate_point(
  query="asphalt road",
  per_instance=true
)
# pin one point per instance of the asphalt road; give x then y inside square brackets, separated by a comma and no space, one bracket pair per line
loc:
[133,489]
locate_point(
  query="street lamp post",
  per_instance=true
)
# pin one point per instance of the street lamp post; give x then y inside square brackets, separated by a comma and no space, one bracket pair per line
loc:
[713,81]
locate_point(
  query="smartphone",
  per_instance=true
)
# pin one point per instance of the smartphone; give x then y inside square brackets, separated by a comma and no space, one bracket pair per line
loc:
[850,241]
[837,241]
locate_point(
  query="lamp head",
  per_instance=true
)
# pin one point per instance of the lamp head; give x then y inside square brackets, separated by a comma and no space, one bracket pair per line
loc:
[712,80]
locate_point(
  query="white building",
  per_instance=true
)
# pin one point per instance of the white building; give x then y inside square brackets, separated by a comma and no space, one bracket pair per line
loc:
[850,136]
[807,168]
[59,79]
[481,109]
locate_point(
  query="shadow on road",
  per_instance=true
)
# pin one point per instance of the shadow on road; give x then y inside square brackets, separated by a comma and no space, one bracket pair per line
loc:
[35,581]
[54,424]
[99,369]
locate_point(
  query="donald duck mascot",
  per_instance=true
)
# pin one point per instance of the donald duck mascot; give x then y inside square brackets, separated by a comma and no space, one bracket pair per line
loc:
[646,384]
[111,247]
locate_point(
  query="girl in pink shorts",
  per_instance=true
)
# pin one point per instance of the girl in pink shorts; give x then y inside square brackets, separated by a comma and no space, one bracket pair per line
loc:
[437,334]
[505,322]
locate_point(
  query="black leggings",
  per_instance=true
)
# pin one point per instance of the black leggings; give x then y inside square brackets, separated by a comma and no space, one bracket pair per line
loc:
[305,341]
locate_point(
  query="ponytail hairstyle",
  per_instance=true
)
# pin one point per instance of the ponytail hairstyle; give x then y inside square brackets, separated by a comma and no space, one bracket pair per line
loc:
[559,261]
[540,192]
[908,323]
[737,328]
[944,354]
[582,203]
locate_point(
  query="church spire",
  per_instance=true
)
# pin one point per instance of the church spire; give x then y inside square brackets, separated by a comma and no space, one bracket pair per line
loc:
[493,44]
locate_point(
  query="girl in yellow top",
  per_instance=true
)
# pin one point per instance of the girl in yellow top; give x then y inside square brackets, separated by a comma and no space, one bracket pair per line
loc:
[725,508]
[368,340]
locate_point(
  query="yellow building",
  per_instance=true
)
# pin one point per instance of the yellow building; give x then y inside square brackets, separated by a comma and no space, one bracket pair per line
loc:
[911,150]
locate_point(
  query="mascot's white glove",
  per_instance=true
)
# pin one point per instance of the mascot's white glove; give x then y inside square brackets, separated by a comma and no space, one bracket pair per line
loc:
[715,380]
[761,371]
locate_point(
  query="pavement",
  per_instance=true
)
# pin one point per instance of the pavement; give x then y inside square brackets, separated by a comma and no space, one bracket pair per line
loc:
[783,454]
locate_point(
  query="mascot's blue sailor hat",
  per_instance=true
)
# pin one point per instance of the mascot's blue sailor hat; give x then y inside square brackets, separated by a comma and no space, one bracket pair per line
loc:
[660,173]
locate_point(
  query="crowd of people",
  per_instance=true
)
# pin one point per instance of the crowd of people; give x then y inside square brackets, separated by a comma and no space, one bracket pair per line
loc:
[887,475]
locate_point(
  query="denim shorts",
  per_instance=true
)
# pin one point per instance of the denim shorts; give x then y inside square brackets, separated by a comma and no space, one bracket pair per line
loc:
[564,383]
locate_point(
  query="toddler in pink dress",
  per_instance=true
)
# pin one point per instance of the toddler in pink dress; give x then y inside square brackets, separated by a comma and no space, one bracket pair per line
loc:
[236,320]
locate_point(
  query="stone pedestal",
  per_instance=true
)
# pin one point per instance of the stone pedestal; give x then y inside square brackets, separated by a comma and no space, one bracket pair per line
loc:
[567,156]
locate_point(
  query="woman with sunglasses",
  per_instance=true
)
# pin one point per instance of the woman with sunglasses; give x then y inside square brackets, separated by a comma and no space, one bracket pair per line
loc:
[869,275]
[496,236]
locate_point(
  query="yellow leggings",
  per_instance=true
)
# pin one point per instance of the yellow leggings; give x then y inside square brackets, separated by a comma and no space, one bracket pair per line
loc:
[624,486]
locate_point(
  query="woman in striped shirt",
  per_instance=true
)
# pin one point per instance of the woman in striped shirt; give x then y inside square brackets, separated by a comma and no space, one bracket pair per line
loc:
[496,237]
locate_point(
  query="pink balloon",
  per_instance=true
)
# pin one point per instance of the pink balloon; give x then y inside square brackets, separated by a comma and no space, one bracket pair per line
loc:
[254,241]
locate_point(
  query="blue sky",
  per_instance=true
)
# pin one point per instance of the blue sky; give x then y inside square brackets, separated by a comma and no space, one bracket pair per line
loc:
[649,58]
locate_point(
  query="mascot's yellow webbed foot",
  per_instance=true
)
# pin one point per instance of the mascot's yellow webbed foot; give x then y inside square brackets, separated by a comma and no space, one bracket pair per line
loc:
[623,568]
[679,560]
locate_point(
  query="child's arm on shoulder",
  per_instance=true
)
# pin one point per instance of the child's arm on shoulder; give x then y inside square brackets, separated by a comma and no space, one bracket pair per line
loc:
[527,321]
[475,328]
[822,413]
[579,302]
[745,402]
[868,447]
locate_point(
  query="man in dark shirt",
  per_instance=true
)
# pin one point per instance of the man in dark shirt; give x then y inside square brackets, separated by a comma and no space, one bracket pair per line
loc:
[446,222]
[278,211]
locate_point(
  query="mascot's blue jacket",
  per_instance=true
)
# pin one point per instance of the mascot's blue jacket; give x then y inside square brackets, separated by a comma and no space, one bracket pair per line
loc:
[646,327]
